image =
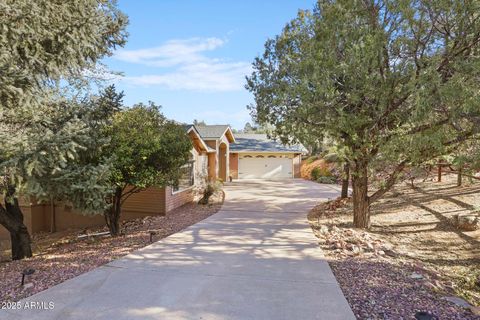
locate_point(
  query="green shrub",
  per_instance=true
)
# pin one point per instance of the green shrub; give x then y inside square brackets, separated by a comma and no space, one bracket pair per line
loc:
[311,159]
[315,174]
[331,158]
[327,179]
[320,172]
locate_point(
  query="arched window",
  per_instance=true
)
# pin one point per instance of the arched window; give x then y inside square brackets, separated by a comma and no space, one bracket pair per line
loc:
[259,156]
[272,156]
[247,156]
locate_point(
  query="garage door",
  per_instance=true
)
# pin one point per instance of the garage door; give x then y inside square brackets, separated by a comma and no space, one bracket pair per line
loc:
[264,168]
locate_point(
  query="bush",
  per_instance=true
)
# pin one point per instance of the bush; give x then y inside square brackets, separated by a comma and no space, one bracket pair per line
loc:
[331,158]
[315,174]
[311,159]
[319,172]
[210,189]
[327,180]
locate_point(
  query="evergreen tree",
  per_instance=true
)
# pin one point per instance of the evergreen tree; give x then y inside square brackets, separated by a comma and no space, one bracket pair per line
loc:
[44,44]
[148,150]
[393,83]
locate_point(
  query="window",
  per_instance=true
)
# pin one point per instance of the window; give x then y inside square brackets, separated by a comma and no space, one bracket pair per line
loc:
[247,156]
[272,156]
[187,177]
[259,156]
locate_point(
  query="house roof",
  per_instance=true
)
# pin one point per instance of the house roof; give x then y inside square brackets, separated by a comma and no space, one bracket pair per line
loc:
[189,128]
[246,142]
[210,132]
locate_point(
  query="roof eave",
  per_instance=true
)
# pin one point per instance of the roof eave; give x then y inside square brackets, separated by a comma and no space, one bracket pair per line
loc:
[202,143]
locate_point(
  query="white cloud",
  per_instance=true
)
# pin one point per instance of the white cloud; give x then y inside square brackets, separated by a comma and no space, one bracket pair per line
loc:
[183,65]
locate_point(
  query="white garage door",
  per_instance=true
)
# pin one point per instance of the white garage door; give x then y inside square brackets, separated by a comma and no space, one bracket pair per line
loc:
[264,168]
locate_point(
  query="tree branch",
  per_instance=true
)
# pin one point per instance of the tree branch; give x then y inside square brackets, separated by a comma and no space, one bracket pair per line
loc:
[389,182]
[129,193]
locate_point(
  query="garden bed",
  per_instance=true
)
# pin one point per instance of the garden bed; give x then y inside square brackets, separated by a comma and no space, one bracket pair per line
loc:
[413,259]
[61,256]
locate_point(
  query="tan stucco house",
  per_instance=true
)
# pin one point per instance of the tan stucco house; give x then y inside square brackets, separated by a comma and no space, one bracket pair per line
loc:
[217,153]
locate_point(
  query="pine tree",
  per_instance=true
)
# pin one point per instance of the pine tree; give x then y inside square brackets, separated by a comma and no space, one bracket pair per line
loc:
[43,44]
[393,83]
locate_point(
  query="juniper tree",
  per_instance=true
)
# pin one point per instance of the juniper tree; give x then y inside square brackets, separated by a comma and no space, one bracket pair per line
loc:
[43,44]
[148,150]
[394,83]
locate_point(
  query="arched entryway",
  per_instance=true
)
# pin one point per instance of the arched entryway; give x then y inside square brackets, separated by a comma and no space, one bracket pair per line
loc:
[222,161]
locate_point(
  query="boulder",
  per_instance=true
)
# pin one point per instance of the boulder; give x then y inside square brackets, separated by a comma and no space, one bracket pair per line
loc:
[323,229]
[458,301]
[467,222]
[416,276]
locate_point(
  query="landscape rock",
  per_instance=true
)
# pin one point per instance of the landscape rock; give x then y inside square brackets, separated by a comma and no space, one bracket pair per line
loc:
[390,253]
[458,301]
[416,276]
[475,310]
[348,241]
[467,222]
[27,286]
[323,229]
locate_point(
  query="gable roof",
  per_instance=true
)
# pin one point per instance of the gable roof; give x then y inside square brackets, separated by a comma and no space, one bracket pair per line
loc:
[254,142]
[189,128]
[212,132]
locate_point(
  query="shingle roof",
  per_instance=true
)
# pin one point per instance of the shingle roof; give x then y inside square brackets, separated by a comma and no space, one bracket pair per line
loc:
[212,131]
[246,142]
[187,127]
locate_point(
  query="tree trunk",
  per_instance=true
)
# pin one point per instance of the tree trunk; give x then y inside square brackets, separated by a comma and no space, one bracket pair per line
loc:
[459,177]
[21,244]
[112,215]
[345,180]
[361,202]
[11,218]
[53,216]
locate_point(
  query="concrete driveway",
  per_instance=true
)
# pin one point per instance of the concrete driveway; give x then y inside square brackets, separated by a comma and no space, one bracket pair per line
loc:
[255,259]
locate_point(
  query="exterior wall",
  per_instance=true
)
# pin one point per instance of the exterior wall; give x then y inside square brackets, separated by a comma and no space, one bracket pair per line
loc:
[211,143]
[297,163]
[212,160]
[224,139]
[37,217]
[212,166]
[3,234]
[201,169]
[177,199]
[222,161]
[233,165]
[28,207]
[68,218]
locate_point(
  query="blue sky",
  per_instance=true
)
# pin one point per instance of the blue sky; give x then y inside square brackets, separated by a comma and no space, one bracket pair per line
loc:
[191,56]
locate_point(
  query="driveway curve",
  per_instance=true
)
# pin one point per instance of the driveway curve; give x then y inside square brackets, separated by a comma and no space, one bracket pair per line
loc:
[255,259]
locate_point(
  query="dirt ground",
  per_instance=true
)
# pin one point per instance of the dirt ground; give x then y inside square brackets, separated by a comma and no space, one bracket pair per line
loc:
[61,256]
[417,258]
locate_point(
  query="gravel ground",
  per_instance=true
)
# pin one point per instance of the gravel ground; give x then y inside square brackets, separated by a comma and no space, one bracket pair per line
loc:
[383,289]
[68,257]
[411,260]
